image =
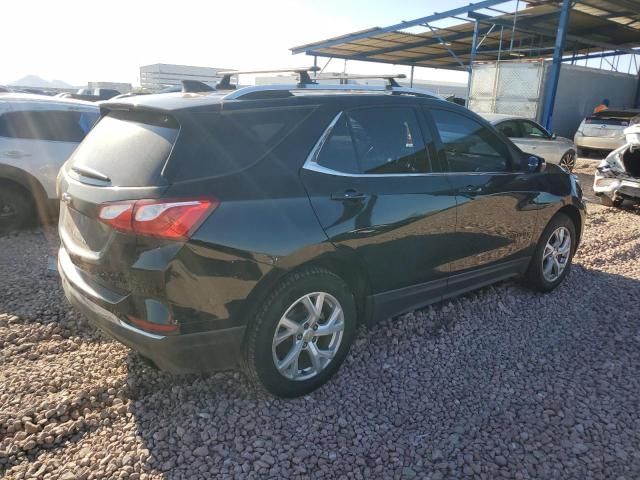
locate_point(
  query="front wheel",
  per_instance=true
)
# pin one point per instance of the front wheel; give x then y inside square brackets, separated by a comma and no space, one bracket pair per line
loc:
[302,333]
[568,161]
[552,259]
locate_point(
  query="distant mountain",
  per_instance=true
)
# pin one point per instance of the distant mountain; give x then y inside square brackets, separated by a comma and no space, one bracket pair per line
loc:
[39,82]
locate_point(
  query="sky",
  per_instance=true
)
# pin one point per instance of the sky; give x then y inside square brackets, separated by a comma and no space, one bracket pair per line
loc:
[77,41]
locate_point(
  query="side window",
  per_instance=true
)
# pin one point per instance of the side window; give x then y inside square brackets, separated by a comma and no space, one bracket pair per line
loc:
[510,129]
[469,145]
[338,152]
[52,125]
[388,141]
[531,130]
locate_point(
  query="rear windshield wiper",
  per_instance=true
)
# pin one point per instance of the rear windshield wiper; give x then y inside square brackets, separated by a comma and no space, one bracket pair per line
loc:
[90,172]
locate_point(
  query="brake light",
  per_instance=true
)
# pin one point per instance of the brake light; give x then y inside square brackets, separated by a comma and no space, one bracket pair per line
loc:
[173,219]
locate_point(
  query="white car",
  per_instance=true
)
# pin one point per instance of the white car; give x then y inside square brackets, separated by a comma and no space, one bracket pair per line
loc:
[531,137]
[617,178]
[37,135]
[604,131]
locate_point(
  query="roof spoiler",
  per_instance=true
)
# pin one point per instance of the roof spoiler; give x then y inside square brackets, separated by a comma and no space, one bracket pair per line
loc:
[303,76]
[195,86]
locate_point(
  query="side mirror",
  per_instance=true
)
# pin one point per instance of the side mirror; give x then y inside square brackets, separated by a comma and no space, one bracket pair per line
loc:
[554,135]
[533,163]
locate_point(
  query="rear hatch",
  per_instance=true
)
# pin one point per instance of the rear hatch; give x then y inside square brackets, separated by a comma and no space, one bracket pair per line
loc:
[121,159]
[608,123]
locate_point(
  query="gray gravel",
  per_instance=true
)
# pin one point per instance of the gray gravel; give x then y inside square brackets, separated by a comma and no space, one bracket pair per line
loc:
[502,383]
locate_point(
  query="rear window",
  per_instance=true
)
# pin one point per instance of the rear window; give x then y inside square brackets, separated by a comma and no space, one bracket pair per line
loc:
[607,121]
[49,125]
[213,144]
[130,148]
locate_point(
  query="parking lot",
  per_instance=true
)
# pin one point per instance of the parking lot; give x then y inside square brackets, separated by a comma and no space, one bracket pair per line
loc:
[502,383]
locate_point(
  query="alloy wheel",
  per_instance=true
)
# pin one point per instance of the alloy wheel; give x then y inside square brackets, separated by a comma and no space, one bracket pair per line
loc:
[568,162]
[555,256]
[308,336]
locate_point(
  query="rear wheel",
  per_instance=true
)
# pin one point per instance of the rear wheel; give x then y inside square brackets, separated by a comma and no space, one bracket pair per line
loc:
[16,207]
[568,161]
[552,259]
[611,202]
[302,333]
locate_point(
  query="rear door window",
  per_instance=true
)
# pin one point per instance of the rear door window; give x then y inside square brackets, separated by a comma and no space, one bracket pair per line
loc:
[50,125]
[338,152]
[378,141]
[470,146]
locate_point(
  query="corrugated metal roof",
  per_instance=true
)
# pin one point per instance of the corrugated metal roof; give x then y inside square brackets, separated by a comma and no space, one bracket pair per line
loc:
[593,25]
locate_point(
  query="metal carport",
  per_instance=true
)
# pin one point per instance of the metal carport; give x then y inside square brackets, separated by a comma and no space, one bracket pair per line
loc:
[560,30]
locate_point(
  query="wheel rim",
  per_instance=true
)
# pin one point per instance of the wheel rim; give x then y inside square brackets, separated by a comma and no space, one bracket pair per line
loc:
[308,336]
[555,256]
[568,161]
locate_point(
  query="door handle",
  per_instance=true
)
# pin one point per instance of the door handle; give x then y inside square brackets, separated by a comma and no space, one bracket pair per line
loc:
[349,195]
[15,154]
[470,190]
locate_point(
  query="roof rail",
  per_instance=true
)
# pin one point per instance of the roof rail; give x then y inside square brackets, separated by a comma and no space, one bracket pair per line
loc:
[303,76]
[271,91]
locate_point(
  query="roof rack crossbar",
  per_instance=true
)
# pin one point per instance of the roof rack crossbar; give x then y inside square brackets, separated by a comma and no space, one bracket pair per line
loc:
[390,79]
[303,75]
[255,91]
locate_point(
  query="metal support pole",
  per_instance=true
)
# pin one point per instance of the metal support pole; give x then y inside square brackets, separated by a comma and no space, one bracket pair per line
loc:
[554,74]
[411,77]
[636,101]
[472,57]
[315,66]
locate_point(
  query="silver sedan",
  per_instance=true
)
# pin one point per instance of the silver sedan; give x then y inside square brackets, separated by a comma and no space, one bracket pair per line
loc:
[531,137]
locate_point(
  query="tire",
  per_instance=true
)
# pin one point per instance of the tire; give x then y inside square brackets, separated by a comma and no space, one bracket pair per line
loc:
[301,376]
[610,202]
[537,277]
[16,207]
[568,161]
[583,152]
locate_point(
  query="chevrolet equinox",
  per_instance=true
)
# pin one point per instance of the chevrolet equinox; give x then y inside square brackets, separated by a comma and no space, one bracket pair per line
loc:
[261,227]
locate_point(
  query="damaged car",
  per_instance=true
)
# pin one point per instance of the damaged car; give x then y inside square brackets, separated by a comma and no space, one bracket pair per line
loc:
[617,177]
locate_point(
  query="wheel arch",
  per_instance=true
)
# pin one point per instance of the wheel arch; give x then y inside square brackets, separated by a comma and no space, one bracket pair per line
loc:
[344,264]
[31,185]
[574,214]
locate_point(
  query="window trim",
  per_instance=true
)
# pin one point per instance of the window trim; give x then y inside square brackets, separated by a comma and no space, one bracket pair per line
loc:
[311,162]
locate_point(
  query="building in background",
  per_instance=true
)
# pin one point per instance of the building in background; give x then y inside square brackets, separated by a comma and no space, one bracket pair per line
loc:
[162,75]
[119,86]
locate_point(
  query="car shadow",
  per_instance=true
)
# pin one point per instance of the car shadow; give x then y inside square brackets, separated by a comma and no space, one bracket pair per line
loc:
[395,391]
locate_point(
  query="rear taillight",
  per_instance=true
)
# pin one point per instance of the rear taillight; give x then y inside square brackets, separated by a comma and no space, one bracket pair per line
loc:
[174,219]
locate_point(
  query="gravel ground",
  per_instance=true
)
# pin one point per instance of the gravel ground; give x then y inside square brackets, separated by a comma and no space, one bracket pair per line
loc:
[502,383]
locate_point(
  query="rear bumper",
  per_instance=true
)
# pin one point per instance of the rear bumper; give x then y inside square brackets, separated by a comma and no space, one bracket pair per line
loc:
[611,185]
[598,143]
[184,353]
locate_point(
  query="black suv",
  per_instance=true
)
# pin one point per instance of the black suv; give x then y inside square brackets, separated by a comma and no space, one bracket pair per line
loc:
[262,227]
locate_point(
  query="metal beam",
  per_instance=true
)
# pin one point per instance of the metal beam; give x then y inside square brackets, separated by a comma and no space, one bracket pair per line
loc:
[550,33]
[398,26]
[554,74]
[599,55]
[423,43]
